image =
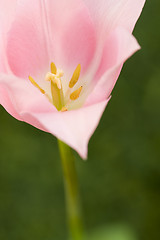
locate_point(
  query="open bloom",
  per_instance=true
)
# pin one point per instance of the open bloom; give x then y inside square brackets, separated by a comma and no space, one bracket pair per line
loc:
[59,61]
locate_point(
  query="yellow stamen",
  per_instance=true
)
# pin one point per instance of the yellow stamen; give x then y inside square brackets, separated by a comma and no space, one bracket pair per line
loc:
[75,76]
[64,109]
[53,68]
[36,85]
[75,94]
[56,95]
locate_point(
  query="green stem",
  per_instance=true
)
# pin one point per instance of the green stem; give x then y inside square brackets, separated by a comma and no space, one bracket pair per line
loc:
[71,190]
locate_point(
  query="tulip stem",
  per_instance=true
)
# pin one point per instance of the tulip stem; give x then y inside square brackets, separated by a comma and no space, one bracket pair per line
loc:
[71,191]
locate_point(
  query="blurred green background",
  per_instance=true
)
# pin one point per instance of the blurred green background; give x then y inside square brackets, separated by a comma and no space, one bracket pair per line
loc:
[120,182]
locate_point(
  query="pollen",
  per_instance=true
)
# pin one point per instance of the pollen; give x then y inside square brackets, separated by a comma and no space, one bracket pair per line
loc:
[75,76]
[75,94]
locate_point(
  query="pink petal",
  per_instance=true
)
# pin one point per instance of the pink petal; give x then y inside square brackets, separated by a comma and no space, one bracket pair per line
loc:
[45,31]
[3,61]
[118,47]
[26,103]
[73,127]
[7,14]
[74,31]
[27,41]
[108,14]
[18,95]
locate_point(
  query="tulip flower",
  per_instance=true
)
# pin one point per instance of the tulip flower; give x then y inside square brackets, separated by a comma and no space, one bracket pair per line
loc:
[59,61]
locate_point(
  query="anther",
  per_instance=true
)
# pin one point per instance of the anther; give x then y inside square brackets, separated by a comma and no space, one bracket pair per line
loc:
[36,85]
[53,68]
[75,94]
[75,76]
[64,109]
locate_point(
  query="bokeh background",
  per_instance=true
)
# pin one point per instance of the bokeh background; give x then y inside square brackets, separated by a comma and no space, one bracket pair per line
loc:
[120,182]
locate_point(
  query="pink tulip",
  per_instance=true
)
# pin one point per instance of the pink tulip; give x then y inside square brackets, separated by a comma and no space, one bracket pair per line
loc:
[59,61]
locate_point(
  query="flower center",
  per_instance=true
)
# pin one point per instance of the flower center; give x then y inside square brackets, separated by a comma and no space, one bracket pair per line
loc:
[57,94]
